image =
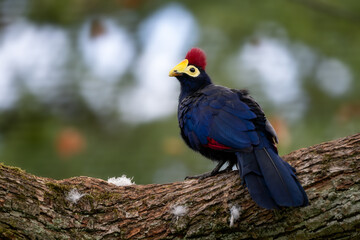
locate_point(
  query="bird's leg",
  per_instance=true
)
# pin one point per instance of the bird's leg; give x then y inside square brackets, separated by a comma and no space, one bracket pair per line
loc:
[208,174]
[229,168]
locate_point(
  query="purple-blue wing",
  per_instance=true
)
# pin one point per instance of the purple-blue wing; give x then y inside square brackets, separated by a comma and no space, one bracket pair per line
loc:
[220,120]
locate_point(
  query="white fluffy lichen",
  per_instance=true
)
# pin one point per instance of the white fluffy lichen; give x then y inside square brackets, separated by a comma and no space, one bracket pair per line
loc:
[234,214]
[121,181]
[74,195]
[178,210]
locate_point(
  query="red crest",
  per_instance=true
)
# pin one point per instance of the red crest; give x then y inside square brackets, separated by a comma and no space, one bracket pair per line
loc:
[196,57]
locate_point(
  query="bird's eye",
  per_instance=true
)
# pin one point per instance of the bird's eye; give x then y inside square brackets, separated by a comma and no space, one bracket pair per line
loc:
[192,71]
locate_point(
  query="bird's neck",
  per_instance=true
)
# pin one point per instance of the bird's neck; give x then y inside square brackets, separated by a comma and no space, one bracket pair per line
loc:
[189,85]
[189,89]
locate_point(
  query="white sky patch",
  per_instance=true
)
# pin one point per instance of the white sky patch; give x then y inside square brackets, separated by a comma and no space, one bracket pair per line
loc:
[165,36]
[74,196]
[8,90]
[270,65]
[334,77]
[179,210]
[121,181]
[35,55]
[275,67]
[306,59]
[234,214]
[109,54]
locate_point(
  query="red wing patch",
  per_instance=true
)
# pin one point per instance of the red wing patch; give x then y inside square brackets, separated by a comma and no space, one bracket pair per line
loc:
[215,145]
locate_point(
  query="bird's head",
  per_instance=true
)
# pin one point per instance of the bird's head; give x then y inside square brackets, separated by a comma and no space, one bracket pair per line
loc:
[191,71]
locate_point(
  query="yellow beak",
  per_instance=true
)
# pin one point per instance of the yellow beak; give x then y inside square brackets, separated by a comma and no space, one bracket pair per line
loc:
[179,69]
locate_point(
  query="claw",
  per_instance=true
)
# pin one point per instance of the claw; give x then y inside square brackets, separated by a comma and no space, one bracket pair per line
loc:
[201,176]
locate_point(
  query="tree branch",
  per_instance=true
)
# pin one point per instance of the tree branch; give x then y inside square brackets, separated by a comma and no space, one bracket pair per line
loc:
[38,208]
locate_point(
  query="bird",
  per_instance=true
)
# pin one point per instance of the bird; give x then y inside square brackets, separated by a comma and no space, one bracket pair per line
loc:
[228,126]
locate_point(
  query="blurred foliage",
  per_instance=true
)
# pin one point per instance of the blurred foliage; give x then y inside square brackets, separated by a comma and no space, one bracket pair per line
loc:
[74,141]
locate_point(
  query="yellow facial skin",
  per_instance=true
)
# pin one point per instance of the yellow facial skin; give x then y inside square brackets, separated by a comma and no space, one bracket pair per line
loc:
[184,68]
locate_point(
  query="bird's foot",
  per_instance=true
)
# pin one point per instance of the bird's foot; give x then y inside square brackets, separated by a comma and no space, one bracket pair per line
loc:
[201,176]
[210,174]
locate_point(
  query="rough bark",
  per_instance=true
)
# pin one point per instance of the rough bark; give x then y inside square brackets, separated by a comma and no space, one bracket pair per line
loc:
[37,208]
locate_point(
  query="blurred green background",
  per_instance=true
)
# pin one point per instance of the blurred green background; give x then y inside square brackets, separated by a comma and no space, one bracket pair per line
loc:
[84,86]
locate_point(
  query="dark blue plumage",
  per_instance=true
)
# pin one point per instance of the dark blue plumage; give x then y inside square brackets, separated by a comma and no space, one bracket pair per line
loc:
[227,125]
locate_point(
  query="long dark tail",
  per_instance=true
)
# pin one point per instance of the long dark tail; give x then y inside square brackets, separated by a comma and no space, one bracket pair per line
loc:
[270,180]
